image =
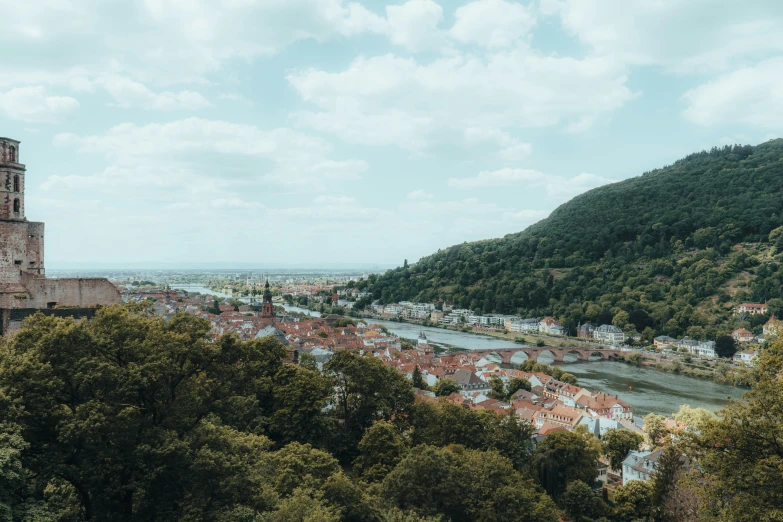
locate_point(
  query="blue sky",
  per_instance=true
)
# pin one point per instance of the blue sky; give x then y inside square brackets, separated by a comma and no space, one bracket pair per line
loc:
[326,132]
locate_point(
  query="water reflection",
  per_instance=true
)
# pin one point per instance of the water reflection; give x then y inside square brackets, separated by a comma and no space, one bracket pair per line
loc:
[650,390]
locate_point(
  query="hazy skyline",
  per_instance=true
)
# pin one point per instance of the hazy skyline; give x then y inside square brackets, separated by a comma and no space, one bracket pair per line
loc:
[336,133]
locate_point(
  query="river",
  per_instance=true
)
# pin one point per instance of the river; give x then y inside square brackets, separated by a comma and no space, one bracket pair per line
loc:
[651,390]
[645,389]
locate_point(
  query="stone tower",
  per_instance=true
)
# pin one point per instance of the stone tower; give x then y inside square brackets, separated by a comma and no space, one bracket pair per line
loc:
[12,179]
[267,310]
[21,241]
[23,282]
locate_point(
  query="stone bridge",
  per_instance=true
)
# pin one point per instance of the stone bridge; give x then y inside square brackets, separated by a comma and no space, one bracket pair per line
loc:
[509,355]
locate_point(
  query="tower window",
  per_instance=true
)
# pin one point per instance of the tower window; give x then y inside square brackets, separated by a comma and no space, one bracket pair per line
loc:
[12,154]
[16,206]
[16,183]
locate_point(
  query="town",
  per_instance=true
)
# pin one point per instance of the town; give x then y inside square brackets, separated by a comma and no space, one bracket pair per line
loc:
[547,397]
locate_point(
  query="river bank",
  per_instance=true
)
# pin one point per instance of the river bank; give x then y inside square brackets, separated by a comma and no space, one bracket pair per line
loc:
[644,386]
[717,371]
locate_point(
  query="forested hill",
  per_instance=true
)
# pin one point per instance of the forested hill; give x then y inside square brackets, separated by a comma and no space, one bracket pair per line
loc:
[673,248]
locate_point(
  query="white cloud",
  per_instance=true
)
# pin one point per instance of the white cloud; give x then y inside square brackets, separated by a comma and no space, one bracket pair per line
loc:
[555,186]
[500,178]
[128,140]
[390,100]
[192,154]
[510,148]
[234,203]
[748,96]
[131,94]
[492,23]
[34,104]
[236,98]
[529,216]
[683,35]
[418,195]
[170,41]
[333,200]
[413,24]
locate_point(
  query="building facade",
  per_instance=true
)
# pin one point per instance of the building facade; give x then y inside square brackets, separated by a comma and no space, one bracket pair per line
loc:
[609,334]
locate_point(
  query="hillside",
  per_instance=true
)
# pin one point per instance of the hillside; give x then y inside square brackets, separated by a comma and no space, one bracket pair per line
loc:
[673,249]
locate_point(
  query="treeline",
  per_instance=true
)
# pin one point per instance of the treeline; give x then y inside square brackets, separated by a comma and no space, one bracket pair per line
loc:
[672,250]
[130,417]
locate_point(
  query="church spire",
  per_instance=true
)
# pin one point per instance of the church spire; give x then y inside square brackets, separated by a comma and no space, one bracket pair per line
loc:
[267,310]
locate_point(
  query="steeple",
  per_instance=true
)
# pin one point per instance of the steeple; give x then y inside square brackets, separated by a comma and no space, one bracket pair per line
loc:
[267,310]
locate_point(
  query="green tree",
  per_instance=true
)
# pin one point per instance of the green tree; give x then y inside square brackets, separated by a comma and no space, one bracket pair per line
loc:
[568,378]
[693,417]
[117,409]
[300,395]
[579,501]
[308,362]
[655,426]
[304,506]
[741,450]
[617,443]
[465,485]
[564,456]
[517,383]
[725,346]
[633,502]
[445,387]
[380,450]
[355,505]
[418,379]
[498,388]
[673,498]
[366,390]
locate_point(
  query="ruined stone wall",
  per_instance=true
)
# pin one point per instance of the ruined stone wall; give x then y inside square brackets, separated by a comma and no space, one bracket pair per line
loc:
[21,249]
[11,320]
[47,293]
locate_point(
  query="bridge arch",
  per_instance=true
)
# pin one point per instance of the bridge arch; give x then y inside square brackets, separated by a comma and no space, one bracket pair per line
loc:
[518,358]
[572,356]
[596,356]
[548,356]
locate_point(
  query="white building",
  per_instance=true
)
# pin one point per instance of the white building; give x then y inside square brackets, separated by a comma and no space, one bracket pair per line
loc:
[609,334]
[640,465]
[747,357]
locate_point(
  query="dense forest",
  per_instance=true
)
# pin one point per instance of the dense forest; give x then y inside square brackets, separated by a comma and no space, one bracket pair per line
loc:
[670,251]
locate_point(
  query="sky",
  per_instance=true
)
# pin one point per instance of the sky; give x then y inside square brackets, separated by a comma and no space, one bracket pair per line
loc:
[359,133]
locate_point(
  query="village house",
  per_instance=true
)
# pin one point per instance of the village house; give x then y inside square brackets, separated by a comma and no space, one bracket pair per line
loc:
[750,308]
[640,465]
[549,325]
[560,415]
[772,327]
[602,405]
[609,334]
[747,357]
[662,341]
[585,331]
[742,336]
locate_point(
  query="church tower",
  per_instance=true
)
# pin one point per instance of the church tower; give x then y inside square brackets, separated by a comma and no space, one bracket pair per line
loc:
[11,181]
[267,310]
